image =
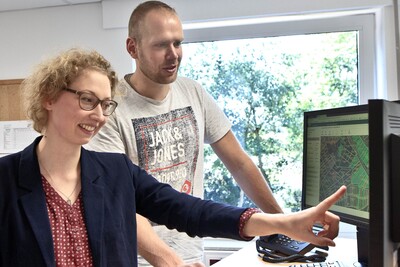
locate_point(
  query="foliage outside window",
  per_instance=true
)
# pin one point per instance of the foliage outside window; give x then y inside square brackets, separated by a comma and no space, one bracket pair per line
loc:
[264,85]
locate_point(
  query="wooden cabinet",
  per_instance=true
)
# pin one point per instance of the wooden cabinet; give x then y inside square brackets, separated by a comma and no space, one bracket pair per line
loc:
[11,106]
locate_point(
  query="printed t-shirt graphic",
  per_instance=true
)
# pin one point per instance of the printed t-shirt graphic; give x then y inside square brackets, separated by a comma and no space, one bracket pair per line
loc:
[168,148]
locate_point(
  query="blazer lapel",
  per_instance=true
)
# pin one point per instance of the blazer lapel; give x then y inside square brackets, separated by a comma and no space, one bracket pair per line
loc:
[38,217]
[93,199]
[34,202]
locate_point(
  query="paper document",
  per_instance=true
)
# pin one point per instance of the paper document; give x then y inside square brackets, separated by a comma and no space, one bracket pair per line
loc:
[16,135]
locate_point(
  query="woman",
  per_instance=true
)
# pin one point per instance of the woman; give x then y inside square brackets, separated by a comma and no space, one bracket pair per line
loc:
[62,205]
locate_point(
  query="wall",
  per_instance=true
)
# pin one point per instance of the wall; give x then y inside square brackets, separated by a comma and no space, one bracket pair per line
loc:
[206,10]
[28,36]
[31,35]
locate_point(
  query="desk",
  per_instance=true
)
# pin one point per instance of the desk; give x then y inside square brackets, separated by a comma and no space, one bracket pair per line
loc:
[345,251]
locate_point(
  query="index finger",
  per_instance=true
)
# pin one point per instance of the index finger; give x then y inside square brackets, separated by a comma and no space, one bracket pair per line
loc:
[329,201]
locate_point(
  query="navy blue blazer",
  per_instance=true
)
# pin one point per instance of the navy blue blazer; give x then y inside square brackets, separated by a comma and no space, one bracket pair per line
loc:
[113,190]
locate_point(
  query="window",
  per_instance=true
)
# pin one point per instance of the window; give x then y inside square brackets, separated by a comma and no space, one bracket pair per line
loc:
[265,76]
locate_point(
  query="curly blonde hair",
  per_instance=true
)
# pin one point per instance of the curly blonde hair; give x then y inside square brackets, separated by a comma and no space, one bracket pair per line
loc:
[53,75]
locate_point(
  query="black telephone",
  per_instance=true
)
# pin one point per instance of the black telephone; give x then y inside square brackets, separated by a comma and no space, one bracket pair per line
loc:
[280,248]
[284,245]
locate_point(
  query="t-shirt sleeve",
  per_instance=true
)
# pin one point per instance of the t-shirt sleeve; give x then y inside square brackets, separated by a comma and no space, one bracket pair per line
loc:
[108,139]
[216,122]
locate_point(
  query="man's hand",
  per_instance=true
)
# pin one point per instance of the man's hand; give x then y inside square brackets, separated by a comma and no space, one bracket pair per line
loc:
[152,248]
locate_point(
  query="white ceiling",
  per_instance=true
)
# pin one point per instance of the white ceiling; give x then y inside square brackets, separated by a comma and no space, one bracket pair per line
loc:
[10,5]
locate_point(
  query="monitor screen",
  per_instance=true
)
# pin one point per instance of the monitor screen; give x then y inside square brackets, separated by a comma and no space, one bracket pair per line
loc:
[336,153]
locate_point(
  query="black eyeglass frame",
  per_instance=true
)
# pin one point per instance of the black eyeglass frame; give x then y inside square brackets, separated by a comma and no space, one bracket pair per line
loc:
[101,102]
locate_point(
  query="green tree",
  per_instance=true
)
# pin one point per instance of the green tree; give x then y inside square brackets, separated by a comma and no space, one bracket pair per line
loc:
[264,90]
[254,100]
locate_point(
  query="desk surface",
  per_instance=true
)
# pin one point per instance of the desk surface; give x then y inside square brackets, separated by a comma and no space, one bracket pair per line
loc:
[345,251]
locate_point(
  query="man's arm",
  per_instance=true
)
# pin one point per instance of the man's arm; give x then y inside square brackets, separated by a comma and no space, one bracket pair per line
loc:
[246,173]
[152,248]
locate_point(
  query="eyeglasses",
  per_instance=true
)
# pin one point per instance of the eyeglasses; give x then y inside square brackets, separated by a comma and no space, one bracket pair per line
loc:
[89,101]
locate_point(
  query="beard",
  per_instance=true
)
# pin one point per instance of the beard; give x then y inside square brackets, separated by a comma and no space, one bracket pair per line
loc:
[160,74]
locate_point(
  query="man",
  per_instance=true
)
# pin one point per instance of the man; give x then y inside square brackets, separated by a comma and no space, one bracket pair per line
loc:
[162,122]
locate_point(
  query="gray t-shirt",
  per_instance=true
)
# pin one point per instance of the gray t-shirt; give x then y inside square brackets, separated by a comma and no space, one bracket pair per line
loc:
[166,138]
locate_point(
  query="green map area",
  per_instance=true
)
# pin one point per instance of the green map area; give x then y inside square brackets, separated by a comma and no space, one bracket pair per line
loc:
[345,161]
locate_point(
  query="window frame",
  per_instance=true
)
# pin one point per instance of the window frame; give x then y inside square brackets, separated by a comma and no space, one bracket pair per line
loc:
[368,72]
[363,23]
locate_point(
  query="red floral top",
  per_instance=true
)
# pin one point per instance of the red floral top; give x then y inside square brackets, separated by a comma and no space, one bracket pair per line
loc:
[70,238]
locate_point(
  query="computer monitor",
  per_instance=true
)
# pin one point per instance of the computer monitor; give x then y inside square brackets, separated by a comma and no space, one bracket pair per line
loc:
[358,146]
[335,153]
[384,223]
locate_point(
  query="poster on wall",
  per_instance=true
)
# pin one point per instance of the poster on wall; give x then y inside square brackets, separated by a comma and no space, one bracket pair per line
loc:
[15,136]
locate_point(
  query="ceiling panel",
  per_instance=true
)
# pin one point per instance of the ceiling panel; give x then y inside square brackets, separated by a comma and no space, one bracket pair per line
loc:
[9,5]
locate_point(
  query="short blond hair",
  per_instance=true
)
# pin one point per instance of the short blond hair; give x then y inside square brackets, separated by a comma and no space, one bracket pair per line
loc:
[139,13]
[51,76]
